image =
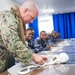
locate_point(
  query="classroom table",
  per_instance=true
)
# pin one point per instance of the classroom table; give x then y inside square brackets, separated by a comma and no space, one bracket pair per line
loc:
[67,46]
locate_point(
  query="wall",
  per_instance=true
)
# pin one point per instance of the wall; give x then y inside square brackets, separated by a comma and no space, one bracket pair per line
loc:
[4,5]
[45,23]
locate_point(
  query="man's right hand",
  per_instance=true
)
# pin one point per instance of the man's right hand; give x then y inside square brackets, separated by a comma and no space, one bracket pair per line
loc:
[38,59]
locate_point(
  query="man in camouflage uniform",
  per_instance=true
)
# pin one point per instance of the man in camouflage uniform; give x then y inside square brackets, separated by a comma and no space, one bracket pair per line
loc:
[12,34]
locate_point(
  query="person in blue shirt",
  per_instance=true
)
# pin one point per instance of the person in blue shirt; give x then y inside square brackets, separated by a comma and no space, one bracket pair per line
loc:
[48,38]
[30,37]
[41,43]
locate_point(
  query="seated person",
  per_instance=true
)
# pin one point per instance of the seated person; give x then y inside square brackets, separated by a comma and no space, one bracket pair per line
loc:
[58,38]
[32,33]
[41,43]
[48,38]
[53,37]
[29,37]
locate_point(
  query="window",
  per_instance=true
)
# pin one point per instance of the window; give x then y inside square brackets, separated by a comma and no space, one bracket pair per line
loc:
[45,23]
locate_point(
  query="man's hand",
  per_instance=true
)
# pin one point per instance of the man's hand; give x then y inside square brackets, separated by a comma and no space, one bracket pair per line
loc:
[48,46]
[38,59]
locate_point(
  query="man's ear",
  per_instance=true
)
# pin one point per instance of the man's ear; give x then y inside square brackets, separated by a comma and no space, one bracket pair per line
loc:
[26,9]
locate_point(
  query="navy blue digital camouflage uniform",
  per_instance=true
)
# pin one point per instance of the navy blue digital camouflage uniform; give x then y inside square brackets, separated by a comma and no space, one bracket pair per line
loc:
[40,45]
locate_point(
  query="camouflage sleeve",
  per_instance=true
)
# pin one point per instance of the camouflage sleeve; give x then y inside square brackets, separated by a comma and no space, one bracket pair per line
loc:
[13,44]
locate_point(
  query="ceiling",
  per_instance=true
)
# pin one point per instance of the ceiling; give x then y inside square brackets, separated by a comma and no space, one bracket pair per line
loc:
[56,6]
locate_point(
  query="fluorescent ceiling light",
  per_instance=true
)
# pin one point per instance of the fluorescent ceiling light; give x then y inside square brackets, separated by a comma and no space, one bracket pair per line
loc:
[48,10]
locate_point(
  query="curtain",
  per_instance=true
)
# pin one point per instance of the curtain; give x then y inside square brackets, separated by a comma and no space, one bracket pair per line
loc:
[65,24]
[34,25]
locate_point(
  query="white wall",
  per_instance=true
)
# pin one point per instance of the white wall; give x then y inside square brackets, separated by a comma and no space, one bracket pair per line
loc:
[45,23]
[5,4]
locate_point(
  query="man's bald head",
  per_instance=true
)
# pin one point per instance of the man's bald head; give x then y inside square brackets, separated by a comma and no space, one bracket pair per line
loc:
[31,7]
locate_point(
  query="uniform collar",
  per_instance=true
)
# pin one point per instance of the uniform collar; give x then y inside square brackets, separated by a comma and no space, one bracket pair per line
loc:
[15,10]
